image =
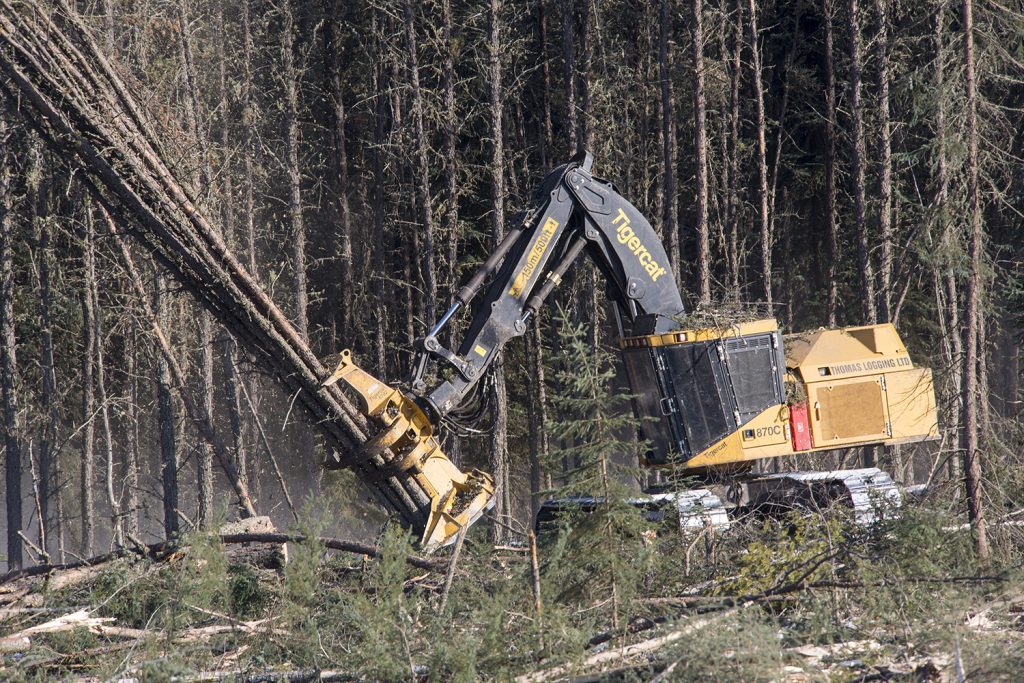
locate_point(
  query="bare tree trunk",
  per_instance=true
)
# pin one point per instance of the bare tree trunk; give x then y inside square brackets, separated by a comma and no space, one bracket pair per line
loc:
[346,286]
[87,503]
[499,433]
[166,418]
[735,74]
[857,162]
[830,165]
[290,82]
[48,461]
[701,154]
[569,62]
[547,134]
[378,191]
[8,358]
[762,155]
[228,347]
[422,170]
[248,140]
[116,521]
[970,441]
[884,304]
[451,212]
[947,296]
[198,131]
[585,125]
[670,209]
[539,447]
[587,138]
[131,469]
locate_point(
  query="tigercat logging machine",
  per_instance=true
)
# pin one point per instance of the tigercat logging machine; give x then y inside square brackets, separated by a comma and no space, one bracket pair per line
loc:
[710,401]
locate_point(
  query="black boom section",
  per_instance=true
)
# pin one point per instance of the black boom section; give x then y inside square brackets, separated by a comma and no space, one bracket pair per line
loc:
[629,253]
[572,212]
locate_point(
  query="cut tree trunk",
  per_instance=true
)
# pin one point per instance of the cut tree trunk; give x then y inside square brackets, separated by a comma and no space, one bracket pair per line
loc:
[70,92]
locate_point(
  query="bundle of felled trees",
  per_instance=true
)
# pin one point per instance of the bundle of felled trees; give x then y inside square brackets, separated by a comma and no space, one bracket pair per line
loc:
[63,84]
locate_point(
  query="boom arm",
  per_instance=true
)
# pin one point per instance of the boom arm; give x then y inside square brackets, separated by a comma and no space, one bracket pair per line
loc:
[572,212]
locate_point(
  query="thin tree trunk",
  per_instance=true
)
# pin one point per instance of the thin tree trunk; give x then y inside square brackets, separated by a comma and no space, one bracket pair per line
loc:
[290,82]
[947,295]
[538,414]
[87,503]
[701,154]
[198,131]
[228,347]
[422,170]
[378,191]
[499,433]
[569,64]
[248,140]
[48,461]
[346,286]
[885,172]
[587,137]
[8,358]
[762,157]
[972,457]
[131,465]
[830,165]
[451,212]
[166,417]
[857,163]
[735,74]
[547,134]
[110,475]
[670,208]
[585,125]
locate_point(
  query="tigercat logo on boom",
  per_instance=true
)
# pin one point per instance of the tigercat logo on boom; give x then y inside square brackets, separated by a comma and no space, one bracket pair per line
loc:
[626,236]
[536,253]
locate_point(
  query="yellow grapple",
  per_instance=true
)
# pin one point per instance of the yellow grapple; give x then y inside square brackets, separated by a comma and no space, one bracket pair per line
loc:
[406,440]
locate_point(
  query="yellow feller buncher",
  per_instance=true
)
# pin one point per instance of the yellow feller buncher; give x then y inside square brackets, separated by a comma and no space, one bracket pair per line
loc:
[712,400]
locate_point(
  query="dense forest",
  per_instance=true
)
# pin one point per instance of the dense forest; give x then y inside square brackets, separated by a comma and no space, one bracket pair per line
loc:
[832,162]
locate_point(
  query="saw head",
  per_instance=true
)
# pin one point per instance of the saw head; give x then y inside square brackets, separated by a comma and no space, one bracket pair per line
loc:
[407,442]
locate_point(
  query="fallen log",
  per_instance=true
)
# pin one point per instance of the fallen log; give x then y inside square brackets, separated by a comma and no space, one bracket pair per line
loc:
[58,79]
[160,550]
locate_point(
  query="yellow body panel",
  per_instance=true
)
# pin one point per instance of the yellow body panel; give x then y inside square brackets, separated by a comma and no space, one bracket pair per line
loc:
[861,387]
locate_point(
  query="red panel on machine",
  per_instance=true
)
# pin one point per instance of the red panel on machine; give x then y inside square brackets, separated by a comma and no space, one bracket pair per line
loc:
[799,427]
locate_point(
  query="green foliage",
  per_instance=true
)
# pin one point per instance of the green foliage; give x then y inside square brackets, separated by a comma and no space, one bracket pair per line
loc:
[598,552]
[799,550]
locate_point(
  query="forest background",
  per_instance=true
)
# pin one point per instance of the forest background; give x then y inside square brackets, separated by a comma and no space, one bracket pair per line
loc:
[839,162]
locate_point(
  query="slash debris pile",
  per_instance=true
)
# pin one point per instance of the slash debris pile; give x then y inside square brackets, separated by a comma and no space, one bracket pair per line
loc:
[65,86]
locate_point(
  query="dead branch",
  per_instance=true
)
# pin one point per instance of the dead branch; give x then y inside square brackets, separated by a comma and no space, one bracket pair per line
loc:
[619,653]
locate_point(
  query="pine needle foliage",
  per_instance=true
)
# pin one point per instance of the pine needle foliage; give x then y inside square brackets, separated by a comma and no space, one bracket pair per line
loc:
[598,554]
